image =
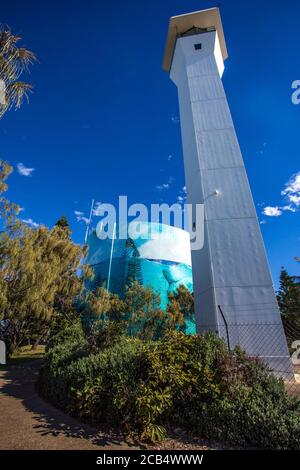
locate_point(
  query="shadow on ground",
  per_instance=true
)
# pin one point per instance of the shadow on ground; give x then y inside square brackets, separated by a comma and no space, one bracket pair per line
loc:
[17,381]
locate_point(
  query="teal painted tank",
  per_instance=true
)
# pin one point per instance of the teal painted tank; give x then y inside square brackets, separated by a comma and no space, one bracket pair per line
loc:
[156,255]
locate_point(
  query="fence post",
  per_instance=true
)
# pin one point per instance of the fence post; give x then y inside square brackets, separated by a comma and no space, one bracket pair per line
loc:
[226,327]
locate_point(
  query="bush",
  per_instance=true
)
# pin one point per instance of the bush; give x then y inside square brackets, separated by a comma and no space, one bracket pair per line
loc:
[190,381]
[70,332]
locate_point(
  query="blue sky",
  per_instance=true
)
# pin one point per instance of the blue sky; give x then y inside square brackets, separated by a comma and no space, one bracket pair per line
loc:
[104,114]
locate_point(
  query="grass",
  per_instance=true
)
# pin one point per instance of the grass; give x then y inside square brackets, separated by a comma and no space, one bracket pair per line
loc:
[24,354]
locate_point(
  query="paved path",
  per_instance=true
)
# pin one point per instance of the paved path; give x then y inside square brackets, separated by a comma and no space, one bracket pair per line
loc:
[28,422]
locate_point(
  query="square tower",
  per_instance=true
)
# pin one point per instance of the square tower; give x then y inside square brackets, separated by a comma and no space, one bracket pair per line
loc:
[231,274]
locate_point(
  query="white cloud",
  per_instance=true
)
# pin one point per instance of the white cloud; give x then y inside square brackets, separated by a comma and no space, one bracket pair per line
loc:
[163,186]
[292,191]
[293,185]
[291,194]
[181,198]
[167,185]
[263,222]
[289,208]
[170,157]
[80,217]
[31,223]
[295,199]
[261,151]
[23,170]
[272,211]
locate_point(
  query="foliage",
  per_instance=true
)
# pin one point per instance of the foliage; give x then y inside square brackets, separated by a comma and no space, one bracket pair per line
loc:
[71,332]
[145,317]
[180,307]
[14,61]
[38,276]
[63,224]
[8,210]
[139,313]
[288,295]
[5,171]
[38,280]
[190,381]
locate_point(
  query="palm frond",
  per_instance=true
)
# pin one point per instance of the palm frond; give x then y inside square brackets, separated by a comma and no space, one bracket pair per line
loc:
[8,41]
[13,62]
[16,92]
[8,70]
[25,57]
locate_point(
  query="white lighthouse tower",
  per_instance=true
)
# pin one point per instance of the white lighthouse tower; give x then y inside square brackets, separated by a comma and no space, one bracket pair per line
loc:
[231,272]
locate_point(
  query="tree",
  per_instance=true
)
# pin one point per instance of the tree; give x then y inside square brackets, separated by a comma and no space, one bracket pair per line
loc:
[144,315]
[5,171]
[288,295]
[138,314]
[14,61]
[96,304]
[103,316]
[63,223]
[39,280]
[180,307]
[8,210]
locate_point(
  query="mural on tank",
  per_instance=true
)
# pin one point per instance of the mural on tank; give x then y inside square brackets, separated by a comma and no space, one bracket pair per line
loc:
[159,257]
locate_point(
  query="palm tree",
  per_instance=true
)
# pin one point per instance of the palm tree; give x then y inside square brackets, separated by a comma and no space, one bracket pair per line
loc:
[14,61]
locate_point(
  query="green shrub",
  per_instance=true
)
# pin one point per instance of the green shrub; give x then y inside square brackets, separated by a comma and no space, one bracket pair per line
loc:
[190,381]
[103,333]
[73,331]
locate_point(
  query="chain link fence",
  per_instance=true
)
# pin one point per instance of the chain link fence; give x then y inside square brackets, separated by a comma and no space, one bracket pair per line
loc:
[276,340]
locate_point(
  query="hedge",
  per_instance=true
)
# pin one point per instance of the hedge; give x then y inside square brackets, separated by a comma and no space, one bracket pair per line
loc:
[187,381]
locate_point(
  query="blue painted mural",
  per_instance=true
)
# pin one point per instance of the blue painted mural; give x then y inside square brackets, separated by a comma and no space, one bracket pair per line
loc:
[156,255]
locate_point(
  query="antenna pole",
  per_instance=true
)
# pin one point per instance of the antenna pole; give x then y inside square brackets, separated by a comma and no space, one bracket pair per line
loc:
[110,259]
[89,222]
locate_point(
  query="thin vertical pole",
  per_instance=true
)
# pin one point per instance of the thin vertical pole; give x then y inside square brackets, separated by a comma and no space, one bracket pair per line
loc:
[110,259]
[226,327]
[89,222]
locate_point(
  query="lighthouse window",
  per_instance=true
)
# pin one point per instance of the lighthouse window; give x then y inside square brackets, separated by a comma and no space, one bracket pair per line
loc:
[198,46]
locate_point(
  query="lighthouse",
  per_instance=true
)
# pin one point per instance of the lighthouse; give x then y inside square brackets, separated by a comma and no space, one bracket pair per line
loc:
[231,275]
